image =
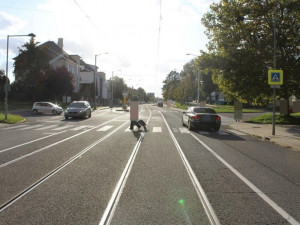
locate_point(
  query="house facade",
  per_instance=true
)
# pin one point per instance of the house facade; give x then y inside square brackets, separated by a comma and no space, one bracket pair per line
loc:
[84,75]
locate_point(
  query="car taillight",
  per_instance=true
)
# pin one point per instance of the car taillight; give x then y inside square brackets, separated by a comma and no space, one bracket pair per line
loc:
[218,118]
[196,117]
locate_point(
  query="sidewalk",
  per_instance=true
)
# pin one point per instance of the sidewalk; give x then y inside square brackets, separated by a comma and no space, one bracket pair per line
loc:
[285,135]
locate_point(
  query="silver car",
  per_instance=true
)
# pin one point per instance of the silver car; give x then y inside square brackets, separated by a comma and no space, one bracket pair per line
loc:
[46,107]
[79,109]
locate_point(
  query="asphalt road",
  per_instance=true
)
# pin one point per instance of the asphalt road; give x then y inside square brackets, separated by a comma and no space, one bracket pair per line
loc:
[97,171]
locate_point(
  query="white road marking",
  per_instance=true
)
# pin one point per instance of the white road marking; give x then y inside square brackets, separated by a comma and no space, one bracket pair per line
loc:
[200,192]
[184,130]
[156,130]
[47,127]
[14,127]
[236,132]
[105,128]
[273,204]
[30,127]
[82,127]
[63,127]
[50,135]
[127,129]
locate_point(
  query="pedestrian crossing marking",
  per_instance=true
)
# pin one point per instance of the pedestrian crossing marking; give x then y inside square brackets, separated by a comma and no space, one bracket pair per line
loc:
[105,128]
[14,127]
[63,127]
[127,129]
[82,127]
[157,130]
[30,127]
[183,130]
[46,127]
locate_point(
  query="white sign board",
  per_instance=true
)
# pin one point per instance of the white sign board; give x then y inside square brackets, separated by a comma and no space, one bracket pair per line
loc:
[134,110]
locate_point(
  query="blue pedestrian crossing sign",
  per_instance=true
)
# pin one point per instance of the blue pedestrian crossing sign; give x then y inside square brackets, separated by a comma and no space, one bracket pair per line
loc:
[275,77]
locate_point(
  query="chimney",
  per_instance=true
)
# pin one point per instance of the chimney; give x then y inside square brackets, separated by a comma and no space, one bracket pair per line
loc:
[60,43]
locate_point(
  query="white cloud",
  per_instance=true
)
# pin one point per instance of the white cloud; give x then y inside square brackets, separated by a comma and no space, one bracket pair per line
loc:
[128,30]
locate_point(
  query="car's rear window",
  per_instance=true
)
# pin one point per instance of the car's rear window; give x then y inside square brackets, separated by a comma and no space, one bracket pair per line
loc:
[77,105]
[204,110]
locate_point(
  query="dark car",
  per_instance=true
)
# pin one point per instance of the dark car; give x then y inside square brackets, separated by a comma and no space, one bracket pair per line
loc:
[160,104]
[78,109]
[201,118]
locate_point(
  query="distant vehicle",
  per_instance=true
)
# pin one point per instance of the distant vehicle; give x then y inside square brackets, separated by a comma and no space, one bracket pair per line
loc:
[79,109]
[46,107]
[160,104]
[201,117]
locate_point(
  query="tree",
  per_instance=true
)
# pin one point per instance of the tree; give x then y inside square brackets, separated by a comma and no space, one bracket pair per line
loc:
[29,67]
[241,47]
[2,85]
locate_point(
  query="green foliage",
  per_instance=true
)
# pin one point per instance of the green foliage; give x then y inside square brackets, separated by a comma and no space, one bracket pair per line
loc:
[240,53]
[2,85]
[34,79]
[11,119]
[279,119]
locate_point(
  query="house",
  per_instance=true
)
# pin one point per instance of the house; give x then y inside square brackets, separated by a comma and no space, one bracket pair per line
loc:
[88,74]
[83,74]
[59,58]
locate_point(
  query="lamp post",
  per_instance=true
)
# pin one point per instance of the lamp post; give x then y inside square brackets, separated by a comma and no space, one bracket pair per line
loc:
[238,20]
[6,82]
[95,77]
[198,96]
[112,87]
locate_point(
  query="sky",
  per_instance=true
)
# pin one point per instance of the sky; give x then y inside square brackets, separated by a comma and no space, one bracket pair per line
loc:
[144,39]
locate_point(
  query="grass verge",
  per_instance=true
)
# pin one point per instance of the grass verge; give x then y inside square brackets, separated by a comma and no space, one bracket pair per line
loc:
[11,119]
[293,119]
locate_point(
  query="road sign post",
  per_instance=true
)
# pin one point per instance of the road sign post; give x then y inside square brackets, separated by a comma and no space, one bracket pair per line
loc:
[275,79]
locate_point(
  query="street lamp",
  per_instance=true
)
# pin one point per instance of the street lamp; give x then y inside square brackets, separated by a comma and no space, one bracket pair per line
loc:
[238,20]
[112,87]
[198,80]
[95,77]
[6,82]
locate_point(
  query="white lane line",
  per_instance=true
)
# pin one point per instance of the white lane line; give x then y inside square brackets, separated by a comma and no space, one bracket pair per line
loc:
[183,130]
[114,200]
[30,127]
[201,194]
[4,150]
[105,128]
[46,127]
[53,172]
[273,204]
[82,127]
[203,132]
[49,146]
[14,127]
[156,130]
[236,132]
[63,127]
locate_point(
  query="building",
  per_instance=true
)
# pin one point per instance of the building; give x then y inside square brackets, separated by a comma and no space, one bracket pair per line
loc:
[83,74]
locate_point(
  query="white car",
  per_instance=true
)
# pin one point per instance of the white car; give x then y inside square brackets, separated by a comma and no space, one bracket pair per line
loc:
[46,107]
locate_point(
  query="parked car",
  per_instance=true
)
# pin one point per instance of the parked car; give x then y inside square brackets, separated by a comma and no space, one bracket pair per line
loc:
[79,109]
[46,107]
[201,117]
[160,104]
